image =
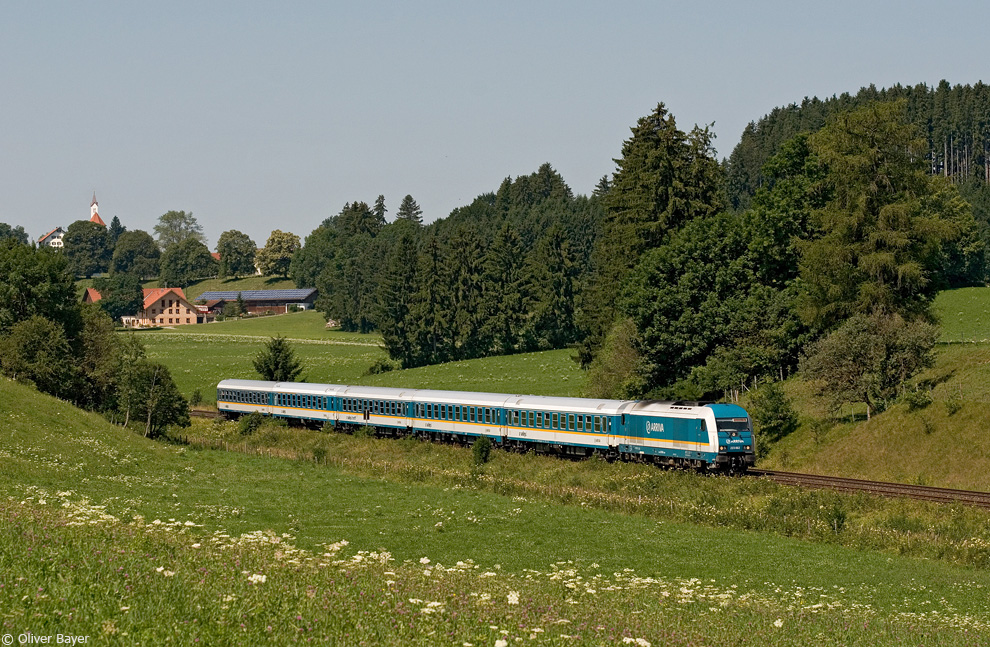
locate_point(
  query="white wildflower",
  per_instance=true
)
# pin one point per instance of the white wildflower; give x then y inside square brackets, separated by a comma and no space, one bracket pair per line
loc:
[501,642]
[513,597]
[779,622]
[257,578]
[424,560]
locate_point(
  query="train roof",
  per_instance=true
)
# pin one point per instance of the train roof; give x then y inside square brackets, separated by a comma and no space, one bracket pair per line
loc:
[256,385]
[309,388]
[578,405]
[531,402]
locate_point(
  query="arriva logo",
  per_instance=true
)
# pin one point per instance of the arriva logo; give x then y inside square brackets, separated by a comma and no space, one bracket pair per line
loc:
[654,426]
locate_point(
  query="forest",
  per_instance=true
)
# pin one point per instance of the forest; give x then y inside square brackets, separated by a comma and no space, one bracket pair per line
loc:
[683,276]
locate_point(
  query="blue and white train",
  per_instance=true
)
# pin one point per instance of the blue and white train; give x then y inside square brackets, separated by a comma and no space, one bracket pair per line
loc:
[688,434]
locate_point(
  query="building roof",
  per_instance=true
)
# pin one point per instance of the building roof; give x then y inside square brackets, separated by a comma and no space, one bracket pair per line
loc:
[53,231]
[96,218]
[259,295]
[153,294]
[92,296]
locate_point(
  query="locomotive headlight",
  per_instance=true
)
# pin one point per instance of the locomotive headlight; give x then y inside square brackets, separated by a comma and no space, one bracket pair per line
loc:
[722,448]
[748,447]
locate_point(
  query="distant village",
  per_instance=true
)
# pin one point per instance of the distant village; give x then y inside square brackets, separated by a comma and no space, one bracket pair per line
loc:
[169,306]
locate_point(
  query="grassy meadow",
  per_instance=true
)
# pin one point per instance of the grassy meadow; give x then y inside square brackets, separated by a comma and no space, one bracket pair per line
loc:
[940,444]
[201,356]
[109,535]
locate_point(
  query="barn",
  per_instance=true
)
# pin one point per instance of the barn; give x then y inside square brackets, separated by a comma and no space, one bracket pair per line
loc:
[264,301]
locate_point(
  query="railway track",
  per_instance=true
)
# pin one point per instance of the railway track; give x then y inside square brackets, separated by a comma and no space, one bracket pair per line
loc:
[839,484]
[919,492]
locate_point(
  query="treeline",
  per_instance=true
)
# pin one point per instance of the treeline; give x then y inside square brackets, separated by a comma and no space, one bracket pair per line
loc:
[848,238]
[501,275]
[70,350]
[954,122]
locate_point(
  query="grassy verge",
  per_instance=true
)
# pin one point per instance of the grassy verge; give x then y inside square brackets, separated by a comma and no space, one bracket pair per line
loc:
[105,534]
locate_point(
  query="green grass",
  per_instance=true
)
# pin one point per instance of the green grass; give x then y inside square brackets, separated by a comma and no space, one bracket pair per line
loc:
[201,356]
[103,533]
[964,314]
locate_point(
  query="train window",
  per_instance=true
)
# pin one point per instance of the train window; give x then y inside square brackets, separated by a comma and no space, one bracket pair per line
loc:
[580,423]
[598,424]
[570,421]
[457,413]
[471,413]
[554,422]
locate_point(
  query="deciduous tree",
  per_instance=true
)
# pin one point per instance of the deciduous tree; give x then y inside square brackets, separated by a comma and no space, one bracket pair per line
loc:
[237,251]
[176,226]
[276,257]
[186,262]
[87,246]
[136,253]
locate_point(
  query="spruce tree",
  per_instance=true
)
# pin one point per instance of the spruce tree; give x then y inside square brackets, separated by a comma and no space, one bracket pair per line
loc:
[277,361]
[409,210]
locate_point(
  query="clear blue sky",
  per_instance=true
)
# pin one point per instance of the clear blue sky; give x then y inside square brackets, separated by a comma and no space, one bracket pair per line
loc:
[265,115]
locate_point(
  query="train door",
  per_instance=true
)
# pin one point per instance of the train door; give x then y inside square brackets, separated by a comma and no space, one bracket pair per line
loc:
[365,410]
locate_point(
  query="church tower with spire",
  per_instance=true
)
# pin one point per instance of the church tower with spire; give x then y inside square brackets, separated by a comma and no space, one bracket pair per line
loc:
[94,211]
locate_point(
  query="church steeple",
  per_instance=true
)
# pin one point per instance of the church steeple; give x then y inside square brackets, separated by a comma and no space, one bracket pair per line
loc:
[94,209]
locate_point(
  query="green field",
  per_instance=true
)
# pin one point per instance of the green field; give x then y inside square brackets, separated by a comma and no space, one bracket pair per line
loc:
[964,314]
[109,535]
[201,356]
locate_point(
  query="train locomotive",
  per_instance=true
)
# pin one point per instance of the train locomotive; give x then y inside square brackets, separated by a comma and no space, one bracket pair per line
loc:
[704,436]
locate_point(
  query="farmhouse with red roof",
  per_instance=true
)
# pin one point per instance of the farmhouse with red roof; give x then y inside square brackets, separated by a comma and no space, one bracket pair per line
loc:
[161,307]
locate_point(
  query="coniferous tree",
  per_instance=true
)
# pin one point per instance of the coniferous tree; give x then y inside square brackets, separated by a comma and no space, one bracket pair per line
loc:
[431,307]
[464,254]
[277,361]
[395,293]
[114,231]
[379,209]
[665,179]
[502,293]
[884,225]
[550,294]
[409,210]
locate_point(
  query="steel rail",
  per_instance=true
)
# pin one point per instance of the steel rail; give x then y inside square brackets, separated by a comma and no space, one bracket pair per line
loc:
[840,484]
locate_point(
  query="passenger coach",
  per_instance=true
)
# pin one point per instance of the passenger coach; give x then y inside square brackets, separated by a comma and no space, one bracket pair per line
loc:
[699,435]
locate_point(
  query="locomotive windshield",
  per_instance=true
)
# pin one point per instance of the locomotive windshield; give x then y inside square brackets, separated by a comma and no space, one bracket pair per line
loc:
[732,424]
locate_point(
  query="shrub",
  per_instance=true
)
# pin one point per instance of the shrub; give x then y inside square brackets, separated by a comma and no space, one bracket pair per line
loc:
[250,423]
[773,413]
[383,366]
[953,404]
[481,451]
[196,398]
[917,399]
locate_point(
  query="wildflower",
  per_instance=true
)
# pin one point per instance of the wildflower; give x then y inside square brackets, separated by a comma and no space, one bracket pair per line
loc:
[257,578]
[424,560]
[513,597]
[779,622]
[501,643]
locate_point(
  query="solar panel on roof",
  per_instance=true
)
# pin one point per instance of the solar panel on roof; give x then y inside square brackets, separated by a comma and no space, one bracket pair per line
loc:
[258,295]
